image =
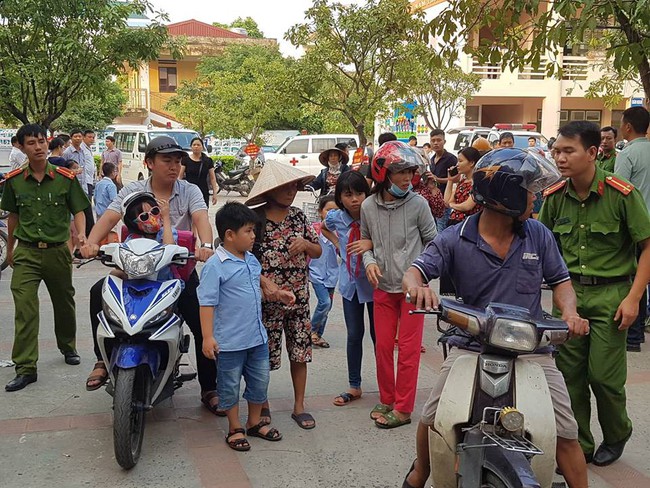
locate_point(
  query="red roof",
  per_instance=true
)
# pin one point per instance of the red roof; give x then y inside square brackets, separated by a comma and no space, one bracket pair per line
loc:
[194,28]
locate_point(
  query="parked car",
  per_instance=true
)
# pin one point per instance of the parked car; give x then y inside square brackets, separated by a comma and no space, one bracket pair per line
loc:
[303,151]
[459,138]
[521,132]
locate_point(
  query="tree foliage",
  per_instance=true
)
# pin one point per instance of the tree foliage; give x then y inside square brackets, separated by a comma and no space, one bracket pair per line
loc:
[252,29]
[526,30]
[95,110]
[54,51]
[355,57]
[238,94]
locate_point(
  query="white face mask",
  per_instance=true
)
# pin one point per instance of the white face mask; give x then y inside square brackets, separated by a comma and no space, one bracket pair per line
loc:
[335,168]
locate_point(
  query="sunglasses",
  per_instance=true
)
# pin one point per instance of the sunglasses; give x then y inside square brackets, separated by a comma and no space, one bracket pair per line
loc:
[144,216]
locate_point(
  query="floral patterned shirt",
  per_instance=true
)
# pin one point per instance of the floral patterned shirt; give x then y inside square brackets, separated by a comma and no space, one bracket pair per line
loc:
[288,272]
[463,191]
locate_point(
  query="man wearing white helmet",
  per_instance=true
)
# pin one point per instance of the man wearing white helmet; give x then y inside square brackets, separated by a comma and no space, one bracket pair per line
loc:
[187,209]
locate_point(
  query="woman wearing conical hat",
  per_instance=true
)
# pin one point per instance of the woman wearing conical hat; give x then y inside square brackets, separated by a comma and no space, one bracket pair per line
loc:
[283,242]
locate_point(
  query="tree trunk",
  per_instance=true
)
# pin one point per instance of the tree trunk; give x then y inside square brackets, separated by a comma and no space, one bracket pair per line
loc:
[362,134]
[644,73]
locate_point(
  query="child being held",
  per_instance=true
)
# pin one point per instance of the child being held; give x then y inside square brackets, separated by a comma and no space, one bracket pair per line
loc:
[323,274]
[230,298]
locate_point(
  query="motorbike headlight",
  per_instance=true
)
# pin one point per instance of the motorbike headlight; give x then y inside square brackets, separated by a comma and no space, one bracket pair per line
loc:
[160,316]
[136,266]
[514,335]
[110,314]
[511,419]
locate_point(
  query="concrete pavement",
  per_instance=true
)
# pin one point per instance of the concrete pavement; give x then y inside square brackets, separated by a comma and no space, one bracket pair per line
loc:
[54,433]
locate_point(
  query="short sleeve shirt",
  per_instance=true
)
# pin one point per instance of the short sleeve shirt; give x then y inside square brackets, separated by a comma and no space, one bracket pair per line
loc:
[185,200]
[286,271]
[325,269]
[463,191]
[197,171]
[340,222]
[597,235]
[78,156]
[232,286]
[112,156]
[43,208]
[439,169]
[462,253]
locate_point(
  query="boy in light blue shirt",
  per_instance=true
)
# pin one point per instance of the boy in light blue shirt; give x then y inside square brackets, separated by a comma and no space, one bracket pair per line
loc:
[105,190]
[230,297]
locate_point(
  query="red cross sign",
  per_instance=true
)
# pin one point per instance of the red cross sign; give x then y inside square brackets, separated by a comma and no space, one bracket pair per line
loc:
[294,161]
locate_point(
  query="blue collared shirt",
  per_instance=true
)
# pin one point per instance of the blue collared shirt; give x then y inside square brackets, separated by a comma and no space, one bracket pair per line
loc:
[339,221]
[325,269]
[481,276]
[104,193]
[232,286]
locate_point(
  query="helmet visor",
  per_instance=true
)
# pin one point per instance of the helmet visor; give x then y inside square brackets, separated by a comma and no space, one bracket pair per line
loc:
[538,172]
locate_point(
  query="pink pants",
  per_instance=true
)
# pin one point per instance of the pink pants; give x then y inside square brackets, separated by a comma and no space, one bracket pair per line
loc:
[397,390]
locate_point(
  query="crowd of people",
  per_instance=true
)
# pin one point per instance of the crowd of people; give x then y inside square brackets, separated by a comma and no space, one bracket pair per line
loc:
[414,215]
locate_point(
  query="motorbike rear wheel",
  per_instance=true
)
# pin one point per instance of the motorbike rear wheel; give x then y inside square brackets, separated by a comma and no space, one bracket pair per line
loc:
[131,396]
[245,188]
[4,246]
[491,480]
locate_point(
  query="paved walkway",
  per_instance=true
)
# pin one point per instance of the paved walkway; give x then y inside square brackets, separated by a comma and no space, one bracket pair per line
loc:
[55,434]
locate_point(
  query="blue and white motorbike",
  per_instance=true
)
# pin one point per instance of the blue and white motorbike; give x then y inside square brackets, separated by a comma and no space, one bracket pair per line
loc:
[140,336]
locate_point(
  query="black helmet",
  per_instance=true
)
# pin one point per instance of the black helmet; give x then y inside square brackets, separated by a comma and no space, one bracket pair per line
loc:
[503,178]
[163,145]
[128,216]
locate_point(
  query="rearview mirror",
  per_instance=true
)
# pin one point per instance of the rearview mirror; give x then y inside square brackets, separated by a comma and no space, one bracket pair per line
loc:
[142,147]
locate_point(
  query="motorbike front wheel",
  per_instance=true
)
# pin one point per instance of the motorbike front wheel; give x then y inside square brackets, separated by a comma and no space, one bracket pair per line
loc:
[4,246]
[131,396]
[245,188]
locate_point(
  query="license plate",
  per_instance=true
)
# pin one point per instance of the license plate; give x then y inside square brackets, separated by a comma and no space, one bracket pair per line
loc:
[250,177]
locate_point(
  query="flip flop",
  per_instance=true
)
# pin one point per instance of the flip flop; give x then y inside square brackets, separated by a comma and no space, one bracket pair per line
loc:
[240,445]
[381,409]
[347,397]
[392,421]
[301,420]
[205,400]
[272,435]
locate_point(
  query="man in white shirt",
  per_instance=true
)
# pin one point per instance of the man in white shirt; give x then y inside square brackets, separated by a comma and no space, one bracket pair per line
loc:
[16,158]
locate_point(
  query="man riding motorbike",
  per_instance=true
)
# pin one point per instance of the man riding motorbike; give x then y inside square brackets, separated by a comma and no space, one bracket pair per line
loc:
[510,255]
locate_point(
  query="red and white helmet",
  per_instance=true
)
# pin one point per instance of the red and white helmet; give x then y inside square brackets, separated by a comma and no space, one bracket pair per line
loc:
[395,156]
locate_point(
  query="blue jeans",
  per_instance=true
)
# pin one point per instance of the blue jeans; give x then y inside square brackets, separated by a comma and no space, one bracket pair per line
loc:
[253,365]
[353,314]
[319,319]
[441,223]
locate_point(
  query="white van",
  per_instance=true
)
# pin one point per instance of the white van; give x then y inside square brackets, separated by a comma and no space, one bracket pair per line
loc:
[132,140]
[303,151]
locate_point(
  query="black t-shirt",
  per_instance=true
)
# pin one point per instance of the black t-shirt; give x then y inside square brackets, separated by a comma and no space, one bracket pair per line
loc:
[197,171]
[440,168]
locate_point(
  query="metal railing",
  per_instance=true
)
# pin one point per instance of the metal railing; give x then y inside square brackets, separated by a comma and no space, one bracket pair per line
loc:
[137,99]
[575,68]
[486,71]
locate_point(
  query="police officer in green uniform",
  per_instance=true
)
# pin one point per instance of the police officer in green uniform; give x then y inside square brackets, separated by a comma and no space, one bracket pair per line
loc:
[606,159]
[598,220]
[40,199]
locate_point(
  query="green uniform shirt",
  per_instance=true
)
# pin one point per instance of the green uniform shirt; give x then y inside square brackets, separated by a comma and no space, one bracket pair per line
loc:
[597,236]
[43,208]
[606,162]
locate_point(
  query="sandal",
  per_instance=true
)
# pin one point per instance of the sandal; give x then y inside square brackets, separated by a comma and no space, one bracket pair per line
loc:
[317,340]
[302,419]
[206,398]
[266,412]
[392,421]
[346,398]
[240,445]
[380,409]
[101,377]
[406,483]
[272,435]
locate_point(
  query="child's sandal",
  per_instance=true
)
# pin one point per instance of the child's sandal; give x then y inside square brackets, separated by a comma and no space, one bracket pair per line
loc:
[238,444]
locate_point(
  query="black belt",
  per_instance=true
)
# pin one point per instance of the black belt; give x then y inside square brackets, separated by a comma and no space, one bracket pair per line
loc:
[598,280]
[41,245]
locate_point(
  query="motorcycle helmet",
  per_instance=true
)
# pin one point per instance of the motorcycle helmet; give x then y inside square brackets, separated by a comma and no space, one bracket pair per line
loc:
[503,178]
[395,156]
[132,207]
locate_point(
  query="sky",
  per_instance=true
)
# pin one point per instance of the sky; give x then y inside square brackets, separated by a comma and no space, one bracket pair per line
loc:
[274,17]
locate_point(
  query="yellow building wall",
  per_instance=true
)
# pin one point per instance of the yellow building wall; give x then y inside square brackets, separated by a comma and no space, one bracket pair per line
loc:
[185,71]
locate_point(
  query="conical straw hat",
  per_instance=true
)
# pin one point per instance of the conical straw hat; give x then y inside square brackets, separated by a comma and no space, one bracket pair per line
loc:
[274,175]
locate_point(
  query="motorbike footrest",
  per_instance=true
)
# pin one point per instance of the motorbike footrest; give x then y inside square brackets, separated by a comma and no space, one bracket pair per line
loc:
[185,344]
[186,377]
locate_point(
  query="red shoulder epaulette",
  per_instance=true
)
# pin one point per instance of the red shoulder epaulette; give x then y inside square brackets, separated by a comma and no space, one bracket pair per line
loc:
[553,188]
[618,184]
[13,173]
[65,172]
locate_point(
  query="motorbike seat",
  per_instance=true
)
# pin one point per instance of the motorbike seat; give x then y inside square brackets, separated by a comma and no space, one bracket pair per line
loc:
[236,172]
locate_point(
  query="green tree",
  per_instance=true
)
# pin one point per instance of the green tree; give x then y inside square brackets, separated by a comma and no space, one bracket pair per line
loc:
[238,94]
[356,57]
[94,111]
[56,51]
[253,30]
[526,30]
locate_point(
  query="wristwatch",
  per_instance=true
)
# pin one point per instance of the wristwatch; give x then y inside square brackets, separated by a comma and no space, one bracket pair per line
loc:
[207,245]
